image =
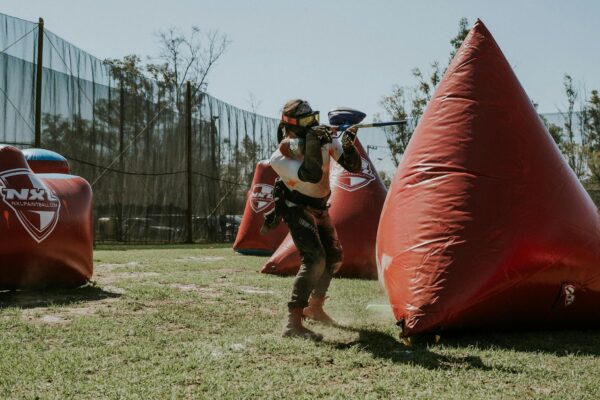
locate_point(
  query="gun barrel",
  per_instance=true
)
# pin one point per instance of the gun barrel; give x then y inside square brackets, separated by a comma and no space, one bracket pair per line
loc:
[379,124]
[371,125]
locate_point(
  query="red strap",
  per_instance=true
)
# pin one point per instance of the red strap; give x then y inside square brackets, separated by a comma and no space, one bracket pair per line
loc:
[289,120]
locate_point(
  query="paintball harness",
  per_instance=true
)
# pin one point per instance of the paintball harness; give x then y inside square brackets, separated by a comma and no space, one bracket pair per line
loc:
[281,194]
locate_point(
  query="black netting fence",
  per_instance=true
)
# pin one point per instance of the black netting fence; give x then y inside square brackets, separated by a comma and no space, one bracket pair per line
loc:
[127,135]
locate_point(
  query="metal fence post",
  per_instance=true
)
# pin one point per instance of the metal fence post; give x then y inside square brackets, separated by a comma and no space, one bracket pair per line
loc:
[188,116]
[38,85]
[121,179]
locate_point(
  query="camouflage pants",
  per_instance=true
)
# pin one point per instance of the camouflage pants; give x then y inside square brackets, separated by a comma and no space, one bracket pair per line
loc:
[320,250]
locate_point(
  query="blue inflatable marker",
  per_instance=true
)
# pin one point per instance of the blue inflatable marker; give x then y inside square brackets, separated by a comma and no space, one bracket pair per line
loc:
[42,161]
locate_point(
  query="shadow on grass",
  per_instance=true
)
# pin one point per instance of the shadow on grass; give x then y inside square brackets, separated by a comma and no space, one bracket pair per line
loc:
[385,346]
[43,298]
[559,342]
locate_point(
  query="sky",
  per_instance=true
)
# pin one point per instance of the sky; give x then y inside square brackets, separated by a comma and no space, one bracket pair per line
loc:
[337,53]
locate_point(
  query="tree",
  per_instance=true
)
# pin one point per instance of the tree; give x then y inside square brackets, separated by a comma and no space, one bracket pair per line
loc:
[385,178]
[185,58]
[409,103]
[573,149]
[579,136]
[457,41]
[591,126]
[254,147]
[555,130]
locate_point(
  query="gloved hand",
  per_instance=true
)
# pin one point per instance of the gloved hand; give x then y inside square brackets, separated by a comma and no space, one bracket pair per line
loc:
[322,132]
[348,137]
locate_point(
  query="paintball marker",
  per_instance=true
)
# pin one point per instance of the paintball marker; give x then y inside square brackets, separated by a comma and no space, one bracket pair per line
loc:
[342,118]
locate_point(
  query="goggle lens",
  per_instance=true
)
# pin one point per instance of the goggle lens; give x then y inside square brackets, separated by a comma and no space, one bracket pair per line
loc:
[303,121]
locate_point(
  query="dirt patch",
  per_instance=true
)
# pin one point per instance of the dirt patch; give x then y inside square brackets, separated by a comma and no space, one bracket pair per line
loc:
[103,273]
[109,267]
[203,290]
[229,270]
[269,311]
[53,320]
[255,290]
[214,290]
[204,259]
[114,289]
[237,347]
[174,328]
[106,279]
[64,315]
[132,275]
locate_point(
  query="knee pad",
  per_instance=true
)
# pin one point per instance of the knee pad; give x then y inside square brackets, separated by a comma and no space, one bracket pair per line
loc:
[335,255]
[315,261]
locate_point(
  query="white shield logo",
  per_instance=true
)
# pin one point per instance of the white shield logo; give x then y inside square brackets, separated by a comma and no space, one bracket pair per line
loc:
[34,204]
[261,197]
[353,181]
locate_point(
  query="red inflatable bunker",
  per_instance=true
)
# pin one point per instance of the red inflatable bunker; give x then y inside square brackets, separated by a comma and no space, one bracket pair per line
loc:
[485,225]
[356,202]
[259,201]
[46,223]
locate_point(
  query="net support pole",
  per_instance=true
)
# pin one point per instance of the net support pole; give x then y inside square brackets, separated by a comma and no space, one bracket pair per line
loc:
[188,130]
[38,85]
[121,181]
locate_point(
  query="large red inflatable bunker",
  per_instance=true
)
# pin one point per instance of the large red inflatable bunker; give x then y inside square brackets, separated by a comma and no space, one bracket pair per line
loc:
[258,202]
[485,225]
[45,224]
[356,202]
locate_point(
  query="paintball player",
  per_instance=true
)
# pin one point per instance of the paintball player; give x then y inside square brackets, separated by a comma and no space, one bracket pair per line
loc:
[302,163]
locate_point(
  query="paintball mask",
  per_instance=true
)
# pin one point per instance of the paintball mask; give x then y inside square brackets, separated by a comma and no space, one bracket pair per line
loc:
[298,116]
[303,121]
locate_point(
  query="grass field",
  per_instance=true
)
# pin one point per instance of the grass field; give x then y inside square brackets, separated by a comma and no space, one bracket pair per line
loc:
[189,322]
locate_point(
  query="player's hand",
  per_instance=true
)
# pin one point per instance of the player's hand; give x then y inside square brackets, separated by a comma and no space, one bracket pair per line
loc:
[348,137]
[322,132]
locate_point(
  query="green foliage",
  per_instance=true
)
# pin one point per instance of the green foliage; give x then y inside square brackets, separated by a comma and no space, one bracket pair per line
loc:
[457,41]
[591,127]
[579,136]
[397,136]
[409,103]
[573,149]
[555,130]
[385,178]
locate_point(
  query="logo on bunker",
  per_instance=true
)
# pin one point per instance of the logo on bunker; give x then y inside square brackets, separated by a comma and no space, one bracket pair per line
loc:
[261,197]
[569,293]
[351,181]
[35,205]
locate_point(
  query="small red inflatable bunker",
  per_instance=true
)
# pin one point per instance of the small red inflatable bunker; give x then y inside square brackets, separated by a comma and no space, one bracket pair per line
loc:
[45,222]
[258,202]
[42,161]
[356,202]
[485,225]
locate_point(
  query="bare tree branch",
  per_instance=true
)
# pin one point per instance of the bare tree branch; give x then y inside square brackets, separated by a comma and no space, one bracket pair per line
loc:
[187,57]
